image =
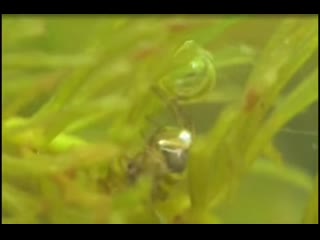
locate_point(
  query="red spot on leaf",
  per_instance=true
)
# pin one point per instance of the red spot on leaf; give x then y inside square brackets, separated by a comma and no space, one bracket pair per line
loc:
[178,27]
[251,100]
[144,53]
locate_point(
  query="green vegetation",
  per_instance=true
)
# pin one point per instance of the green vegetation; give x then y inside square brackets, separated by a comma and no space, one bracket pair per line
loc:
[97,112]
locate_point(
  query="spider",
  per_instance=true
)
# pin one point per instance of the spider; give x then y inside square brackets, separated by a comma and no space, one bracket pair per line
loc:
[166,152]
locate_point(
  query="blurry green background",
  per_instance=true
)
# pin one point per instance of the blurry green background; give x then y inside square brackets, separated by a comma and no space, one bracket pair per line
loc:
[38,51]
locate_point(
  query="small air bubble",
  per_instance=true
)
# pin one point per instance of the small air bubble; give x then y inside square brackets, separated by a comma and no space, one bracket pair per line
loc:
[314,146]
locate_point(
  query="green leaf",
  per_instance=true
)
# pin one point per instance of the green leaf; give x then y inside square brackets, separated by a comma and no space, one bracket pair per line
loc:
[297,101]
[312,212]
[202,165]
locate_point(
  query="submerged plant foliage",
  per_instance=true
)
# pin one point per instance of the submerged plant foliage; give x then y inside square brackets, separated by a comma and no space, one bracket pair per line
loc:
[158,119]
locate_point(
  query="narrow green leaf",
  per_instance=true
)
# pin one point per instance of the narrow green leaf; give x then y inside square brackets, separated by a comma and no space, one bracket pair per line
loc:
[299,99]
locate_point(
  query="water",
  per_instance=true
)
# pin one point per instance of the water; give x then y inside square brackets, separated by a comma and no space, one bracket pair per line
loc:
[93,80]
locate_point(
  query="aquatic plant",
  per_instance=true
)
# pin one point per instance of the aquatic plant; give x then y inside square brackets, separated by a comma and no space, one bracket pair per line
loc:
[79,92]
